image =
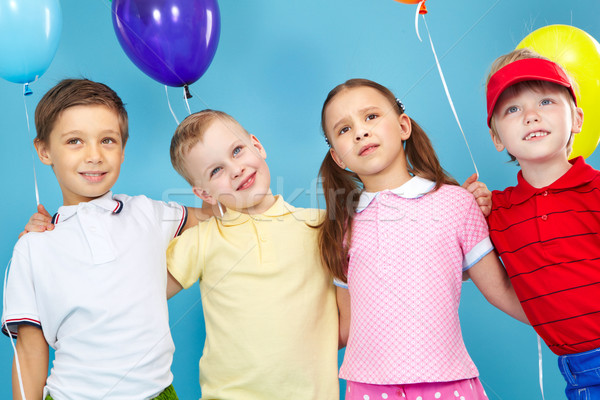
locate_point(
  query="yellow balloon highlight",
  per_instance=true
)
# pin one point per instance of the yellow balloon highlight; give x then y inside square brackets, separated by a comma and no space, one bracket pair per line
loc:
[579,54]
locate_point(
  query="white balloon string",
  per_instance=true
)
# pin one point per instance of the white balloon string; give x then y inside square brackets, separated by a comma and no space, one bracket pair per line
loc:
[417,19]
[37,192]
[171,108]
[187,104]
[541,372]
[439,67]
[4,306]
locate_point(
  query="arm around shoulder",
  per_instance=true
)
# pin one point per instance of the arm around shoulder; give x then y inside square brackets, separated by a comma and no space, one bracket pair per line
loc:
[491,279]
[32,351]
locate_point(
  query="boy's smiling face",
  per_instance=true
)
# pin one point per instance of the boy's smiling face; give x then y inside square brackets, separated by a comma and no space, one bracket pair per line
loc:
[85,150]
[228,166]
[535,125]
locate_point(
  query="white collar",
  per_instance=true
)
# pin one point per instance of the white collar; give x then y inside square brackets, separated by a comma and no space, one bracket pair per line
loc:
[106,201]
[414,188]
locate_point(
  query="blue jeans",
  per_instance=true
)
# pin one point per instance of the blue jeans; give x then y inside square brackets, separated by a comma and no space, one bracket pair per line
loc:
[582,373]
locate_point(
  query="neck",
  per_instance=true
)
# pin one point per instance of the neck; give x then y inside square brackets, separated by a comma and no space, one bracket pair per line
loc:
[379,182]
[540,175]
[265,203]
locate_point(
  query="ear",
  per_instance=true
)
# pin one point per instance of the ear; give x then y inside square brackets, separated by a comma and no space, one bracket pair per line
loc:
[577,120]
[203,194]
[337,158]
[497,142]
[43,152]
[405,126]
[258,146]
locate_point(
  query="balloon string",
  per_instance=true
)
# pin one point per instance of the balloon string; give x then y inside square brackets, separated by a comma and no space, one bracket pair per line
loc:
[171,108]
[186,95]
[439,67]
[541,372]
[417,19]
[26,92]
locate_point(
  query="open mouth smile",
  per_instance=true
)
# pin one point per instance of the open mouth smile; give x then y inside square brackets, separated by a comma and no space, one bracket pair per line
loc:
[247,182]
[536,134]
[93,176]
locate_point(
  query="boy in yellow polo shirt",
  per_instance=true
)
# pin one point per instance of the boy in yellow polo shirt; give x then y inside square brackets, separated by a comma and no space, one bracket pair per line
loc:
[269,305]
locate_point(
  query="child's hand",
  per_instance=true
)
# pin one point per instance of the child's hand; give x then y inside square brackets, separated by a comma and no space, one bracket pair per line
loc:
[481,193]
[39,222]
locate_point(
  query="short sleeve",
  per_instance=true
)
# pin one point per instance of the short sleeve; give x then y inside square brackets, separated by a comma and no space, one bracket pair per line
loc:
[183,258]
[172,217]
[337,282]
[474,237]
[20,305]
[169,218]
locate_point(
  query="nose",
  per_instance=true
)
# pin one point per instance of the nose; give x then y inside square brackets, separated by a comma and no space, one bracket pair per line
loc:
[531,115]
[361,134]
[236,170]
[93,154]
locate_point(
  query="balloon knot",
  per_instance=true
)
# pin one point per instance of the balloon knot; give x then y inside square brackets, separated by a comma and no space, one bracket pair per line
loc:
[26,90]
[188,95]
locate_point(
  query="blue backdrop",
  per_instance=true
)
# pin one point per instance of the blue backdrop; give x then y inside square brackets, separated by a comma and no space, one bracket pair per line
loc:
[275,63]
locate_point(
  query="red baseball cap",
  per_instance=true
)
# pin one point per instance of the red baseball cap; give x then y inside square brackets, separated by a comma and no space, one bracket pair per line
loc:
[528,69]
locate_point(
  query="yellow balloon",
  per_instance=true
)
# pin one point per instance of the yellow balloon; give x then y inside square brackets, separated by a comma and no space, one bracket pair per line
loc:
[579,54]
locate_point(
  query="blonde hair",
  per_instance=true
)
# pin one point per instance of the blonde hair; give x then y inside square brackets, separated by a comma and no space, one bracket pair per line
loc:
[534,85]
[189,133]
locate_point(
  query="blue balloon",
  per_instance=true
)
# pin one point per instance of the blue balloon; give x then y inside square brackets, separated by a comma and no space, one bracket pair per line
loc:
[172,41]
[29,35]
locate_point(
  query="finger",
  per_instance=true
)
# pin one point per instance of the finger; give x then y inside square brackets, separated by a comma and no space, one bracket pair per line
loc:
[31,227]
[470,180]
[42,210]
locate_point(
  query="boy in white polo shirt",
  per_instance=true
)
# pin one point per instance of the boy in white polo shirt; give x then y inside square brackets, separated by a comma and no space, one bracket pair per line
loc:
[93,288]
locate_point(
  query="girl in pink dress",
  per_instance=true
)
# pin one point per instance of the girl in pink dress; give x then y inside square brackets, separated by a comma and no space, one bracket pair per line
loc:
[399,237]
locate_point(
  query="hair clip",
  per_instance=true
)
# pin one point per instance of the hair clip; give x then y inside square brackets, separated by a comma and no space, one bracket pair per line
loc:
[400,105]
[326,140]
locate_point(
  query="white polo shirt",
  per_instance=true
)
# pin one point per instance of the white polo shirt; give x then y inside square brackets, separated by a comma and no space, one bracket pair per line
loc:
[96,285]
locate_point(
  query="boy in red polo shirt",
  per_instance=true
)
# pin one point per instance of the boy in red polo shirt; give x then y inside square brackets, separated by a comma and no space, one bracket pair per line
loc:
[546,228]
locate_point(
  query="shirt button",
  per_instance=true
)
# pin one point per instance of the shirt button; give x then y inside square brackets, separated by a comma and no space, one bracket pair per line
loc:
[545,193]
[544,217]
[384,196]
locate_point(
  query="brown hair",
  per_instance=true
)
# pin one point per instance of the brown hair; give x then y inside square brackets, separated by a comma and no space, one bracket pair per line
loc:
[77,92]
[342,188]
[536,86]
[189,132]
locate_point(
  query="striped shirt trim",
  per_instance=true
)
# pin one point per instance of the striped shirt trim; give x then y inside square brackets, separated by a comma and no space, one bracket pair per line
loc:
[12,324]
[183,221]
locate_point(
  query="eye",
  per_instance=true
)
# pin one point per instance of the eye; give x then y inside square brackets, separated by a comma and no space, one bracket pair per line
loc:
[546,102]
[74,141]
[371,117]
[512,109]
[343,130]
[214,171]
[237,150]
[108,140]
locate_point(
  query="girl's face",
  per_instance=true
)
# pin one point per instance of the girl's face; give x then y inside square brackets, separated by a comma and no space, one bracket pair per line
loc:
[366,135]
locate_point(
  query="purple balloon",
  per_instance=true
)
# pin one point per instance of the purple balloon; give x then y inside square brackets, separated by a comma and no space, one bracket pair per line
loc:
[171,41]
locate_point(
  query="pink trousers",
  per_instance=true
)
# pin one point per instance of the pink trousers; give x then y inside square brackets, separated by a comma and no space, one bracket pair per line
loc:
[467,389]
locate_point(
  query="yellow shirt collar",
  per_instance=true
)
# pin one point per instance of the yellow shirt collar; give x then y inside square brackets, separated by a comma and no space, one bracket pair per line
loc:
[278,209]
